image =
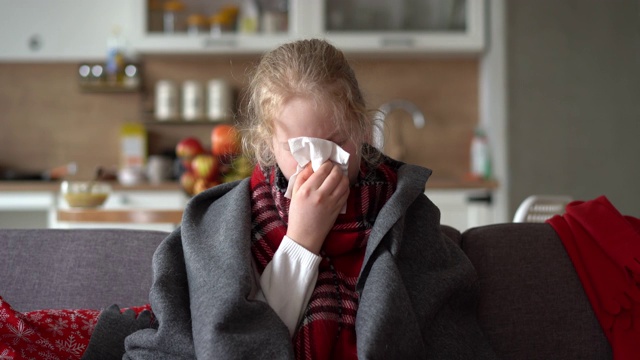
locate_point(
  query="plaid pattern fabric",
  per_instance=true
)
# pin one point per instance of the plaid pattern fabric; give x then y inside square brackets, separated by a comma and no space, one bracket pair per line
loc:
[327,330]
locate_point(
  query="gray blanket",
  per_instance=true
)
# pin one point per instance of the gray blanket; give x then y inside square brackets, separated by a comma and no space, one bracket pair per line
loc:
[416,288]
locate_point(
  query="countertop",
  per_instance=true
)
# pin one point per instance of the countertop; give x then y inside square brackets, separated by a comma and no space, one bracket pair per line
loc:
[55,186]
[433,183]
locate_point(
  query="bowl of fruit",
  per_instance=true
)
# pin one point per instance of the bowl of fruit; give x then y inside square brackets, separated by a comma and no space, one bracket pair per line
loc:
[85,194]
[206,167]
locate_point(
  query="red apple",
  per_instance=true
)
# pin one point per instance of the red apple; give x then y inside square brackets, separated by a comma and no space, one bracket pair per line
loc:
[188,148]
[225,140]
[188,181]
[205,166]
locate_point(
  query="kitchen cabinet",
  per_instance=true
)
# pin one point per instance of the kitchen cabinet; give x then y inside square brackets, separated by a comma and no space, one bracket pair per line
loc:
[131,200]
[142,196]
[61,30]
[35,204]
[147,199]
[355,26]
[26,209]
[463,208]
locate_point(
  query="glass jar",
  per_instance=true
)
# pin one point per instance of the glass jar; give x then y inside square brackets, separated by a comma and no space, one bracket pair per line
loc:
[196,24]
[275,16]
[224,20]
[172,16]
[132,76]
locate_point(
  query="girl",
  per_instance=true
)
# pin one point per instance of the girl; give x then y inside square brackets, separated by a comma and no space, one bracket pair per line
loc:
[379,281]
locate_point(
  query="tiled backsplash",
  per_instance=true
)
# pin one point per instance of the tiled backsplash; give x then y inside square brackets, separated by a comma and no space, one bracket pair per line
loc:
[46,121]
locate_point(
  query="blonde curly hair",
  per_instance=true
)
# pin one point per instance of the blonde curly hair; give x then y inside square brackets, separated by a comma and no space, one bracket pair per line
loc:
[312,69]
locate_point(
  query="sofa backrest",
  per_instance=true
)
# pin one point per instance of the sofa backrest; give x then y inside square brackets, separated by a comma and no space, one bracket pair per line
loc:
[78,268]
[532,304]
[452,233]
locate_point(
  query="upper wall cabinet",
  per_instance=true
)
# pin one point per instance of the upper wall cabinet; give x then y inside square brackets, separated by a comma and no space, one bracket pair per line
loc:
[61,30]
[356,26]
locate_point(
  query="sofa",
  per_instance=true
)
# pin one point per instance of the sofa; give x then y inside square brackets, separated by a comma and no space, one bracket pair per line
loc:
[531,303]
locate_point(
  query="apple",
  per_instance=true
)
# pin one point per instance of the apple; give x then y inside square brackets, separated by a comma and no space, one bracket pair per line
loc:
[202,185]
[188,148]
[225,140]
[239,169]
[242,166]
[205,166]
[188,181]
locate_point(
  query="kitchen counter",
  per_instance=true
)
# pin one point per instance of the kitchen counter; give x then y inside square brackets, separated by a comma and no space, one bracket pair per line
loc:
[55,186]
[122,216]
[35,204]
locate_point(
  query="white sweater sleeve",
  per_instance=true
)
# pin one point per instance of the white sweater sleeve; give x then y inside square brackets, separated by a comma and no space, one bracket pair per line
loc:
[288,280]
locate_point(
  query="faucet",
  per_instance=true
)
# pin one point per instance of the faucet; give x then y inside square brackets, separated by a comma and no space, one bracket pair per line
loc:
[379,119]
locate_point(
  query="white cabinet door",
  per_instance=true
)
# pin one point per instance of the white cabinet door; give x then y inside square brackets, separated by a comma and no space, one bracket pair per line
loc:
[153,41]
[134,199]
[141,199]
[60,30]
[146,200]
[412,26]
[26,209]
[361,30]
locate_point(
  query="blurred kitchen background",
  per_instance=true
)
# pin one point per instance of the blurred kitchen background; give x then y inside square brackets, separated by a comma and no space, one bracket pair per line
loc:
[553,83]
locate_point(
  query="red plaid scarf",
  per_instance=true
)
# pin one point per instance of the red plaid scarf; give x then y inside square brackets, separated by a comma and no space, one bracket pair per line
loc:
[327,330]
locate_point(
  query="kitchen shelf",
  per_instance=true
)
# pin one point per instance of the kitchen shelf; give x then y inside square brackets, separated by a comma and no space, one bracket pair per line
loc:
[104,88]
[93,79]
[184,122]
[149,119]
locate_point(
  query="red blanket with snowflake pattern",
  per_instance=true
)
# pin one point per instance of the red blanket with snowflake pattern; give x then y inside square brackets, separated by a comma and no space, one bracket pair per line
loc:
[47,334]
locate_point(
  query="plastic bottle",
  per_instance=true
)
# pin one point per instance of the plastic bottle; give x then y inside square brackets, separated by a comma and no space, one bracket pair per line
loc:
[114,67]
[249,17]
[480,155]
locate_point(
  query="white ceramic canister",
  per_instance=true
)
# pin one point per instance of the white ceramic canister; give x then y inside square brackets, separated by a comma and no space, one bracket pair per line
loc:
[219,100]
[166,101]
[192,100]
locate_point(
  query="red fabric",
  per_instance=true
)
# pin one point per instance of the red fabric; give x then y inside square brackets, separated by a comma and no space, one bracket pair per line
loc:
[47,334]
[327,330]
[604,247]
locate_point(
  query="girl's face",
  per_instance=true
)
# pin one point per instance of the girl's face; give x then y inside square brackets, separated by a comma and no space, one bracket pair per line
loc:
[300,117]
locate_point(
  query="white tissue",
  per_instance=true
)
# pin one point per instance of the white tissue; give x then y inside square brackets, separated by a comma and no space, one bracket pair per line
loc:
[317,151]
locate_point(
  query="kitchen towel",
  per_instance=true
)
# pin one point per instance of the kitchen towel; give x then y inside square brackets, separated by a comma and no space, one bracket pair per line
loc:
[317,151]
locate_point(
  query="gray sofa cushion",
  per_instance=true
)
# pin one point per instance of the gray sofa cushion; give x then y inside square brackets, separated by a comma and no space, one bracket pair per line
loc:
[532,304]
[80,268]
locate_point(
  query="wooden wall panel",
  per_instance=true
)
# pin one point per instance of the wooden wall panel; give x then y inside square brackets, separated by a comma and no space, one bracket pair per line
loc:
[46,121]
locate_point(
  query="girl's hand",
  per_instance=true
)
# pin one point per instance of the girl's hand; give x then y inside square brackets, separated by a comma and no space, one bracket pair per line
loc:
[316,201]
